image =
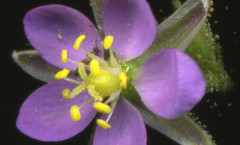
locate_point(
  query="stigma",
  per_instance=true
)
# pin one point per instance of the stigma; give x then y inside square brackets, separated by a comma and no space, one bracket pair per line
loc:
[102,79]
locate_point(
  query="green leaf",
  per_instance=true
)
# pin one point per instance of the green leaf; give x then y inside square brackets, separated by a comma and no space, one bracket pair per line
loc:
[177,31]
[32,63]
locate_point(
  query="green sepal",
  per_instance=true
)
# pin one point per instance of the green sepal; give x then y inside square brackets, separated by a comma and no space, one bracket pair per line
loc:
[32,63]
[182,130]
[97,12]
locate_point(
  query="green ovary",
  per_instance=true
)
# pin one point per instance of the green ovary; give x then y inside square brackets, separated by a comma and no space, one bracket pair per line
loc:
[105,84]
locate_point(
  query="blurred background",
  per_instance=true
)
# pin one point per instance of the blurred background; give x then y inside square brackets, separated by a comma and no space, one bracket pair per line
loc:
[218,111]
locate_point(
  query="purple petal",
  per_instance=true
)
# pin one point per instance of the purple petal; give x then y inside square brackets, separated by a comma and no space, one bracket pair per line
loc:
[132,24]
[43,24]
[45,115]
[127,127]
[170,83]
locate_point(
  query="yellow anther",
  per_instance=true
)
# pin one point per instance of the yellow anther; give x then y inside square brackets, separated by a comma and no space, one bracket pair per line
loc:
[75,113]
[64,56]
[123,80]
[78,41]
[65,93]
[107,42]
[102,108]
[94,67]
[62,74]
[103,124]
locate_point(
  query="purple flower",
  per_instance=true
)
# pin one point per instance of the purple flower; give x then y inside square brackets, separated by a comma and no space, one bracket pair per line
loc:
[169,83]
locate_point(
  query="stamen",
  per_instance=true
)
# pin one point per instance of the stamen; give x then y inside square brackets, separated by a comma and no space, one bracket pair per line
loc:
[62,74]
[82,72]
[113,105]
[94,67]
[64,56]
[78,41]
[114,96]
[91,100]
[94,93]
[102,108]
[73,81]
[65,93]
[77,91]
[123,80]
[75,110]
[107,42]
[75,113]
[103,124]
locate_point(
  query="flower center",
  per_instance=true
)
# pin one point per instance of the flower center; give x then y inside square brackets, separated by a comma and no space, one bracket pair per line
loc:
[101,78]
[105,83]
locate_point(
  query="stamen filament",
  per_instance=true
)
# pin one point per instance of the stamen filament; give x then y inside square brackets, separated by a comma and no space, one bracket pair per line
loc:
[113,105]
[73,81]
[91,100]
[113,96]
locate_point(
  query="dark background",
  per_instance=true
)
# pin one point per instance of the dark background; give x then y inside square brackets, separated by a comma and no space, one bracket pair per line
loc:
[15,85]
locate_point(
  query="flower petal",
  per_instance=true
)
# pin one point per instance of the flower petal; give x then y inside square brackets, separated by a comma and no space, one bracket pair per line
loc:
[44,25]
[127,127]
[45,115]
[132,24]
[170,83]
